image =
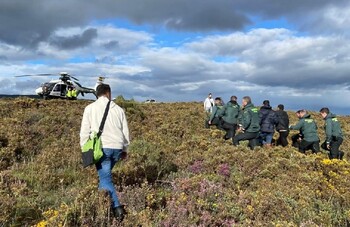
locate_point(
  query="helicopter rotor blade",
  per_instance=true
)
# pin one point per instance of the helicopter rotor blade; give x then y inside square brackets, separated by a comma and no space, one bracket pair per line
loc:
[41,74]
[45,74]
[74,78]
[78,84]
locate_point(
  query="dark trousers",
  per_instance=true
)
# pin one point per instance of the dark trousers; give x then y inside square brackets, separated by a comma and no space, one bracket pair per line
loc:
[306,145]
[334,151]
[251,136]
[230,130]
[296,139]
[282,139]
[216,121]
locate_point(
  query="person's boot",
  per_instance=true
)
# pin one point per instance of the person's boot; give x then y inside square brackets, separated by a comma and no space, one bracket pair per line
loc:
[226,137]
[340,155]
[119,213]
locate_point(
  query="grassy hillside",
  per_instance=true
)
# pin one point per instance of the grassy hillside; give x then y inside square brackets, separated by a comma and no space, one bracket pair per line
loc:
[177,173]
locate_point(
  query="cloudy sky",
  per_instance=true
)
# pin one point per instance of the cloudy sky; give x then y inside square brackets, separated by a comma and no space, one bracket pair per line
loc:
[292,52]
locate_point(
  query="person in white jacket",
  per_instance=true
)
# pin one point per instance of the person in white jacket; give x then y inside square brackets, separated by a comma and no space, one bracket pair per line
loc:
[208,103]
[115,139]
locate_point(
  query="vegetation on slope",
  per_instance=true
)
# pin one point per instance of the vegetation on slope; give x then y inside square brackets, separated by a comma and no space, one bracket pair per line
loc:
[177,173]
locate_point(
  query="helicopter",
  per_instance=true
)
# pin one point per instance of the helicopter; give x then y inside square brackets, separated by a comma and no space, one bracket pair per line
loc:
[57,89]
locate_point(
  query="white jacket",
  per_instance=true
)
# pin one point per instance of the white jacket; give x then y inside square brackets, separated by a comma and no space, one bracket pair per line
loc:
[208,103]
[115,133]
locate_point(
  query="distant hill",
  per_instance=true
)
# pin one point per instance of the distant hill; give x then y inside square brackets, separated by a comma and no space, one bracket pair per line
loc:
[17,96]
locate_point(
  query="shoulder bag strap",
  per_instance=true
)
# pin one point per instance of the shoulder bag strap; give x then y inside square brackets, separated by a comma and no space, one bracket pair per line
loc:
[100,130]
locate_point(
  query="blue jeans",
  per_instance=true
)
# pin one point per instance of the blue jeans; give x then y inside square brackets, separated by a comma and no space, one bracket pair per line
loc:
[266,137]
[104,169]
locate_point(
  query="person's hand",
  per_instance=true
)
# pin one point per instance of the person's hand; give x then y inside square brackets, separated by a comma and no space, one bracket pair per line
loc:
[123,155]
[209,122]
[328,146]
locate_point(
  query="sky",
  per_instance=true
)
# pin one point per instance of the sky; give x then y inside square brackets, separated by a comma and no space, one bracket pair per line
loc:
[292,52]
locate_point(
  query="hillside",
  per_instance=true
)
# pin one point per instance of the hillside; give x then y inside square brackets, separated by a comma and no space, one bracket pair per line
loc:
[177,173]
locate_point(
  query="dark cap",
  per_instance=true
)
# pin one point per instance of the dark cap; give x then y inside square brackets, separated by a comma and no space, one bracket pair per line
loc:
[266,103]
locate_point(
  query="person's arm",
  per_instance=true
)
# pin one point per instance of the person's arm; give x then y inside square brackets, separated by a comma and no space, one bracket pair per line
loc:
[223,111]
[328,131]
[212,115]
[246,119]
[239,116]
[125,132]
[261,117]
[85,127]
[298,126]
[275,118]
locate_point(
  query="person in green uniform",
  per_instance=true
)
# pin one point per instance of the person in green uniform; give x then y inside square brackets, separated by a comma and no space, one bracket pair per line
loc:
[308,129]
[230,118]
[215,117]
[334,134]
[249,125]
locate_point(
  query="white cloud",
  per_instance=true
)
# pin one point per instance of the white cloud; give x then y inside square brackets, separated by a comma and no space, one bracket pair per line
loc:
[275,64]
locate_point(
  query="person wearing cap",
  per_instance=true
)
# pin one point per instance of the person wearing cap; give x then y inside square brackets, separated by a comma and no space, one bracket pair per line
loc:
[249,126]
[208,103]
[215,117]
[230,117]
[282,126]
[308,128]
[268,120]
[334,134]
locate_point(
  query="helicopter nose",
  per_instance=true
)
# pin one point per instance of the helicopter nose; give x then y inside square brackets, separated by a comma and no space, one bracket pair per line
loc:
[39,91]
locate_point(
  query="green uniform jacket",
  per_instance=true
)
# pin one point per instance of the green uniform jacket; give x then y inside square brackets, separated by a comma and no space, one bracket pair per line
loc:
[231,112]
[307,127]
[250,118]
[218,111]
[332,127]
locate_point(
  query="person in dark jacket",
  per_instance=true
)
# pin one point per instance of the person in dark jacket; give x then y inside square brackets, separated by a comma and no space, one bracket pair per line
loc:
[308,128]
[249,124]
[215,117]
[282,126]
[268,120]
[231,112]
[334,134]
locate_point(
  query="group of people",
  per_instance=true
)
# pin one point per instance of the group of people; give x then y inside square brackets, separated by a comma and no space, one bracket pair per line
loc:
[258,125]
[72,93]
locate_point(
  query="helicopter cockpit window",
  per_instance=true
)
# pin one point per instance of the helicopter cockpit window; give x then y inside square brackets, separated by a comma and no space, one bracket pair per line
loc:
[57,87]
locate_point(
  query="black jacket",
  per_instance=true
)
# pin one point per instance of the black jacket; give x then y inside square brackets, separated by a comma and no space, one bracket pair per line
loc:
[268,119]
[283,120]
